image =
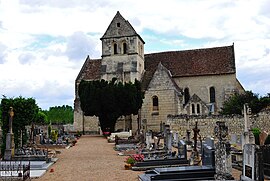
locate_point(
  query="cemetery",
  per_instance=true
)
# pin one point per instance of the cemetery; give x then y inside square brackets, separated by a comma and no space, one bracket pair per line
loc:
[33,159]
[169,154]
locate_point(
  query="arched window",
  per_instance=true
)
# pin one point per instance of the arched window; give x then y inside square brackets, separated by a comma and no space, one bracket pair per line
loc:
[192,108]
[155,103]
[114,48]
[124,48]
[186,95]
[198,109]
[212,93]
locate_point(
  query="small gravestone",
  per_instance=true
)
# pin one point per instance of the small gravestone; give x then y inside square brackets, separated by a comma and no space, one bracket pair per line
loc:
[175,138]
[148,140]
[168,145]
[262,137]
[252,163]
[209,141]
[182,150]
[208,156]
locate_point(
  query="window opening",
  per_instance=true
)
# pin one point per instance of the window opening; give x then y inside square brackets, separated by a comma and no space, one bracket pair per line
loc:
[212,95]
[186,95]
[155,103]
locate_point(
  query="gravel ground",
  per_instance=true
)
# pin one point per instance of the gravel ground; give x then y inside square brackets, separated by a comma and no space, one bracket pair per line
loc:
[92,159]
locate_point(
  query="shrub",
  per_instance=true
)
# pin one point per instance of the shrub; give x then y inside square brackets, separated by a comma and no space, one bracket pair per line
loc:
[256,132]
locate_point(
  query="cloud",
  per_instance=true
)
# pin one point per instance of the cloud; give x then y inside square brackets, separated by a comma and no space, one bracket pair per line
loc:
[3,49]
[67,4]
[79,45]
[43,44]
[26,58]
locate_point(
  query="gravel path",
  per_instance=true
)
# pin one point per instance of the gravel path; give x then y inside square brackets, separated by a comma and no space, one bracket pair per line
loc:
[92,159]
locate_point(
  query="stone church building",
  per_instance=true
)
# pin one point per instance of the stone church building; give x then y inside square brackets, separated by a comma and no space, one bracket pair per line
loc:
[193,82]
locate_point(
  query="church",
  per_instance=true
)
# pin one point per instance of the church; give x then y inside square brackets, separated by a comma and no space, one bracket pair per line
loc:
[192,82]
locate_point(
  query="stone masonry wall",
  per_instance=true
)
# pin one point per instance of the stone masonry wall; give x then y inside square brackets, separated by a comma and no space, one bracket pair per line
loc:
[206,124]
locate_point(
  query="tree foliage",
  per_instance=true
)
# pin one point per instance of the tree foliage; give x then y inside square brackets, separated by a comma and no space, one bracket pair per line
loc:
[59,115]
[110,100]
[234,105]
[25,112]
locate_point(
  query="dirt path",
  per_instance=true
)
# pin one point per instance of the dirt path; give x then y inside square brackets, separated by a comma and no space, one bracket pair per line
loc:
[92,159]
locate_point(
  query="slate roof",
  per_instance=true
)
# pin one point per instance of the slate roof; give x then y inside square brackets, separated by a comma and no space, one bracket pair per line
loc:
[90,70]
[197,62]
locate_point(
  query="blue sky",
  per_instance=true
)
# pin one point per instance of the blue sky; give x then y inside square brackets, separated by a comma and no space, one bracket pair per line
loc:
[43,44]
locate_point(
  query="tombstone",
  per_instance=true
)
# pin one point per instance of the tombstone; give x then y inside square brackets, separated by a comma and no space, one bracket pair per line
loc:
[262,137]
[156,142]
[175,138]
[252,163]
[223,162]
[209,141]
[169,142]
[182,150]
[148,140]
[9,151]
[208,155]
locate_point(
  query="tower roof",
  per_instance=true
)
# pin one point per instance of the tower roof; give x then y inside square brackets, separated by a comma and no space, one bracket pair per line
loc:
[119,27]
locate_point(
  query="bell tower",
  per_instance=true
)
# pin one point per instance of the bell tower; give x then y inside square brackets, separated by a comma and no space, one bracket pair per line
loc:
[122,51]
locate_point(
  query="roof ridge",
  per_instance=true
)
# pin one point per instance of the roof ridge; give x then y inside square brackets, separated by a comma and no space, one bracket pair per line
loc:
[196,49]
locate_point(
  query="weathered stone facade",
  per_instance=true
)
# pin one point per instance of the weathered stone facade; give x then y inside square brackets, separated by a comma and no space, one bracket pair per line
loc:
[193,82]
[206,124]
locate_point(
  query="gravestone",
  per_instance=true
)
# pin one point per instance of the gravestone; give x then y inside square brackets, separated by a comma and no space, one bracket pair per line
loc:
[182,150]
[252,163]
[175,138]
[209,141]
[223,162]
[168,143]
[9,151]
[148,140]
[208,156]
[262,137]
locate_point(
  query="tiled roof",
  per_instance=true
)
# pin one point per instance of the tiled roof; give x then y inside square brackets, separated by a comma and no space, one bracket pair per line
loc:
[90,70]
[208,61]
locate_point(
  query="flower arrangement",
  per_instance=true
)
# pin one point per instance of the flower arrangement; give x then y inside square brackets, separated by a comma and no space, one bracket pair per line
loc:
[131,160]
[134,158]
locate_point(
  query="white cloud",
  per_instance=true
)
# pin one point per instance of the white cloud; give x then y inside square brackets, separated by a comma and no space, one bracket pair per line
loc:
[43,44]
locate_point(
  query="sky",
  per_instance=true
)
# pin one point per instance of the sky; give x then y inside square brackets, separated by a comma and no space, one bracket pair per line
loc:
[43,44]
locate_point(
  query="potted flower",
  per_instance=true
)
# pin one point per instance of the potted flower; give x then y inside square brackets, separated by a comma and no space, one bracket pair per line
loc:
[131,160]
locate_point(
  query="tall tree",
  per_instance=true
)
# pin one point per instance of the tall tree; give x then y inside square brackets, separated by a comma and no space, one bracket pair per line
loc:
[110,100]
[25,112]
[59,114]
[234,104]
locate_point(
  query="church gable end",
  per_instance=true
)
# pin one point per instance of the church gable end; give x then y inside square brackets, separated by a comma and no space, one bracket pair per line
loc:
[119,27]
[162,80]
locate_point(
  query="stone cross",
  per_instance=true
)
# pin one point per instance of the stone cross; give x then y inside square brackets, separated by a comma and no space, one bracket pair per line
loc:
[197,136]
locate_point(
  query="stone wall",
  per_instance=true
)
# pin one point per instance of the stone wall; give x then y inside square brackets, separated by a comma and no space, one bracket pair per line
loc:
[90,123]
[206,124]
